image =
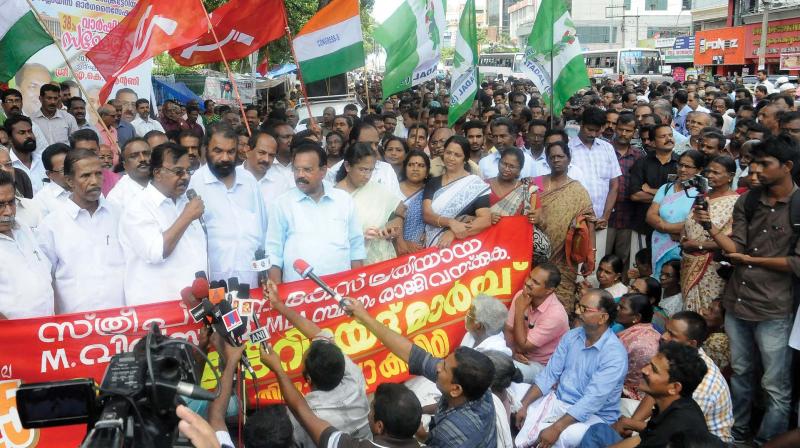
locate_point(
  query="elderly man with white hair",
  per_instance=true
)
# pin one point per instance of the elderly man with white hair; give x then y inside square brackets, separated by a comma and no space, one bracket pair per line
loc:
[484,321]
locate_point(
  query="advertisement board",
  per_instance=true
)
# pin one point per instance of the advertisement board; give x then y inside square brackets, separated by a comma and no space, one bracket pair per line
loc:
[723,46]
[790,61]
[783,36]
[681,51]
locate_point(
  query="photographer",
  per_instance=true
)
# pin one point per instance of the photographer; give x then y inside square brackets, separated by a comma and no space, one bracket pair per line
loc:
[759,296]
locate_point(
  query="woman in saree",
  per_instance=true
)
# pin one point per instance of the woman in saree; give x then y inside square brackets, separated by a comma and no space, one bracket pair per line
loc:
[395,151]
[639,338]
[379,211]
[416,168]
[671,205]
[563,201]
[700,282]
[455,204]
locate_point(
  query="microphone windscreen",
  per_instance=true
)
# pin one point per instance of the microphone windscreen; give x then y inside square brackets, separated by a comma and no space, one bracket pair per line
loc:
[191,194]
[200,288]
[244,291]
[233,284]
[300,266]
[187,297]
[200,274]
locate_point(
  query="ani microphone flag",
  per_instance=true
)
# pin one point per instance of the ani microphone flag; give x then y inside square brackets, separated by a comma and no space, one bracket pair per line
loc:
[21,36]
[554,43]
[465,65]
[150,28]
[331,42]
[241,27]
[411,32]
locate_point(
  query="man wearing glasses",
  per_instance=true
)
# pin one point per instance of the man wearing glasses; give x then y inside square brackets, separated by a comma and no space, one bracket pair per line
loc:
[586,370]
[160,233]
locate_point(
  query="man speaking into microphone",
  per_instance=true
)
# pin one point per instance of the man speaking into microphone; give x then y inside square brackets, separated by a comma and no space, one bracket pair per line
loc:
[235,215]
[160,233]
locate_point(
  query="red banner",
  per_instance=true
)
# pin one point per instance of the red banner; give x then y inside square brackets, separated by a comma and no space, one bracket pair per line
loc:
[424,296]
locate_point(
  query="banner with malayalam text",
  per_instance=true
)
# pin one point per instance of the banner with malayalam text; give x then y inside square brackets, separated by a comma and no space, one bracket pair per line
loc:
[424,296]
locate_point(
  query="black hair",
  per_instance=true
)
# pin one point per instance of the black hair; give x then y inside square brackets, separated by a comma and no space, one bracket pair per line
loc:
[336,133]
[52,151]
[398,408]
[83,135]
[222,129]
[394,138]
[306,135]
[505,372]
[6,179]
[74,156]
[789,116]
[593,116]
[625,118]
[439,111]
[314,147]
[257,134]
[653,289]
[14,119]
[49,88]
[696,326]
[192,108]
[11,92]
[681,96]
[474,372]
[675,265]
[269,427]
[352,155]
[563,145]
[698,158]
[615,262]
[685,366]
[606,303]
[538,122]
[514,152]
[787,99]
[72,100]
[463,143]
[755,126]
[716,135]
[141,101]
[355,131]
[553,274]
[389,114]
[557,131]
[324,365]
[160,153]
[415,153]
[351,107]
[133,140]
[473,124]
[640,304]
[781,147]
[726,162]
[503,121]
[420,125]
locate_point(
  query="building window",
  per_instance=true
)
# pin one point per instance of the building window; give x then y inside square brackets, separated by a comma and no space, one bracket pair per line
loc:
[627,5]
[655,5]
[593,34]
[686,5]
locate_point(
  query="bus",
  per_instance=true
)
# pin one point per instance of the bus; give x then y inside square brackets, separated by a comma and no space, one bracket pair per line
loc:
[491,65]
[630,62]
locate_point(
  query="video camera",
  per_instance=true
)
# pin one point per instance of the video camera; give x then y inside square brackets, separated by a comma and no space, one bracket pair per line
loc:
[137,397]
[700,184]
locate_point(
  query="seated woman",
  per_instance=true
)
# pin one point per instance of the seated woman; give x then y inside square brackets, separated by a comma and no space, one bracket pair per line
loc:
[414,176]
[651,288]
[672,300]
[639,338]
[609,277]
[642,265]
[671,205]
[379,211]
[455,204]
[395,151]
[717,345]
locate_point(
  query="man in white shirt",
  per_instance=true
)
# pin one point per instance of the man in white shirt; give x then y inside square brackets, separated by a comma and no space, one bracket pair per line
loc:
[598,162]
[142,123]
[160,233]
[25,286]
[282,166]
[136,161]
[504,133]
[263,148]
[80,240]
[235,215]
[56,124]
[763,81]
[55,192]
[384,174]
[25,154]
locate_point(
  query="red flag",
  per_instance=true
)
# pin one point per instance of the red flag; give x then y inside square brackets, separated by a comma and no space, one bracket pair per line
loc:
[242,27]
[263,67]
[150,28]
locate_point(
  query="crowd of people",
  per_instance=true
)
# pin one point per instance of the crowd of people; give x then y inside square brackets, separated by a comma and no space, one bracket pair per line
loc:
[659,310]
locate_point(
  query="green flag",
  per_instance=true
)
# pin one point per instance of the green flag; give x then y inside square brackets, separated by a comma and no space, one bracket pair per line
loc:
[411,32]
[21,36]
[553,57]
[465,65]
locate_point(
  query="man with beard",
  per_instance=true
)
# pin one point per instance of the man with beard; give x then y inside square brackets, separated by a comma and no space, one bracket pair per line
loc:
[473,130]
[76,107]
[143,123]
[25,282]
[235,215]
[314,222]
[136,161]
[56,124]
[621,222]
[611,122]
[192,142]
[80,240]
[24,153]
[263,149]
[56,191]
[160,233]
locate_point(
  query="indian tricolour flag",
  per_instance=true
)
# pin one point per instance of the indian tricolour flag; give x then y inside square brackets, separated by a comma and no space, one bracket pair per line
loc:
[331,42]
[553,58]
[21,36]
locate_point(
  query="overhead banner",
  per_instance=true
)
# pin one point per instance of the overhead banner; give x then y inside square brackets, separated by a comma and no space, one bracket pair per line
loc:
[78,26]
[220,89]
[424,296]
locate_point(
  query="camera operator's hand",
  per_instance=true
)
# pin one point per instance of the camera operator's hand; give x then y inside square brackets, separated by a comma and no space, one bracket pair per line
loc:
[354,307]
[270,292]
[228,352]
[701,216]
[196,429]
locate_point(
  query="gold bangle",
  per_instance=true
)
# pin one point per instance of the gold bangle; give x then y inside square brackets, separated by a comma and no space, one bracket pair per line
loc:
[437,221]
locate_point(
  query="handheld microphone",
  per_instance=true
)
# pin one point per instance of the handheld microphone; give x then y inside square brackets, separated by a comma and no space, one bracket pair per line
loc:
[262,274]
[306,271]
[191,194]
[234,335]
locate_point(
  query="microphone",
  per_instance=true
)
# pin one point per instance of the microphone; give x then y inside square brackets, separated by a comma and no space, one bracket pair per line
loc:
[233,336]
[306,271]
[261,254]
[191,194]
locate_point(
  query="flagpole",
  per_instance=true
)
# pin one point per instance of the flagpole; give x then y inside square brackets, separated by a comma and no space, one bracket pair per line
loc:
[227,68]
[299,72]
[366,84]
[72,70]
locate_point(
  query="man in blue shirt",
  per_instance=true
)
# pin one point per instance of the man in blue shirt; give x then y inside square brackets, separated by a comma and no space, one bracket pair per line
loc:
[681,100]
[586,371]
[314,222]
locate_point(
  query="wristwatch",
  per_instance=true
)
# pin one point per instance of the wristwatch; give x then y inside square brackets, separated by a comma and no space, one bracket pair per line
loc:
[700,247]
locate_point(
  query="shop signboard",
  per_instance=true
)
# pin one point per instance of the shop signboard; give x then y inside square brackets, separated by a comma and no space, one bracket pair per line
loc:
[783,36]
[681,50]
[722,46]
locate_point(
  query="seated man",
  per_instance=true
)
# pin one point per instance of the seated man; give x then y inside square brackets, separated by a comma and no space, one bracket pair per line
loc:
[670,379]
[536,321]
[338,388]
[465,416]
[586,371]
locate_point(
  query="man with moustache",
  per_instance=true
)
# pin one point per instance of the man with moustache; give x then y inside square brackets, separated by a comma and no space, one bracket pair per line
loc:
[80,240]
[160,233]
[235,215]
[125,130]
[136,161]
[623,216]
[143,124]
[76,107]
[86,139]
[127,99]
[263,149]
[314,222]
[25,283]
[24,152]
[56,191]
[193,145]
[56,124]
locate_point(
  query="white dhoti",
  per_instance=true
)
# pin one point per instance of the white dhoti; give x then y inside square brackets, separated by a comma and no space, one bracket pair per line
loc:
[544,412]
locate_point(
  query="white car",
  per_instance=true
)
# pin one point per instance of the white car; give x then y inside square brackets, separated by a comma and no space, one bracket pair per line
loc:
[319,104]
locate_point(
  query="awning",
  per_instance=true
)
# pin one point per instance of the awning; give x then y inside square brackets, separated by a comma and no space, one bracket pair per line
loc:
[284,69]
[174,91]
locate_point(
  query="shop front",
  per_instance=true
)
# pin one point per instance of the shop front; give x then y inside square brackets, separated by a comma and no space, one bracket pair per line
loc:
[720,51]
[783,46]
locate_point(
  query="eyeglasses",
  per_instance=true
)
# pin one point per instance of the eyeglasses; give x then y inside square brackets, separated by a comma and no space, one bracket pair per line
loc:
[508,166]
[180,172]
[581,308]
[12,203]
